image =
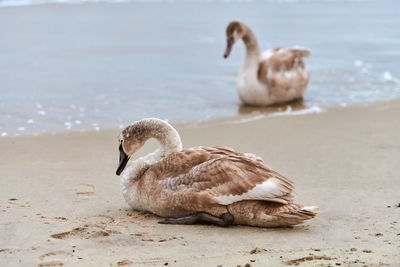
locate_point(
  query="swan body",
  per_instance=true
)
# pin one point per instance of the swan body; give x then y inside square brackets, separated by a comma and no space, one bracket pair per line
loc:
[275,76]
[203,183]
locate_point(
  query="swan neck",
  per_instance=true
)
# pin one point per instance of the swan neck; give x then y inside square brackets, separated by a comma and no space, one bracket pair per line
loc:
[250,41]
[165,134]
[168,138]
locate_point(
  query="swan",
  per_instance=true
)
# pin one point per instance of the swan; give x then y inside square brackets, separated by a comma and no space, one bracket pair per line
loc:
[275,76]
[214,185]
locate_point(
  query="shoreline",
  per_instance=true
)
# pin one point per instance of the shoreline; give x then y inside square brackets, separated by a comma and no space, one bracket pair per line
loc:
[245,114]
[344,161]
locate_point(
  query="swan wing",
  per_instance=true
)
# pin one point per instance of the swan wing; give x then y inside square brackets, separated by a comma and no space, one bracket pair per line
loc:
[283,71]
[227,151]
[220,175]
[285,59]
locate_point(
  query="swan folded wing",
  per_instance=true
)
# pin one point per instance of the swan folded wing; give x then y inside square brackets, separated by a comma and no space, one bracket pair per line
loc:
[286,59]
[179,163]
[228,179]
[227,151]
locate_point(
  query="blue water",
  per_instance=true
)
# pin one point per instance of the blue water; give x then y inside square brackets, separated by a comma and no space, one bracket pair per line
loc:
[103,65]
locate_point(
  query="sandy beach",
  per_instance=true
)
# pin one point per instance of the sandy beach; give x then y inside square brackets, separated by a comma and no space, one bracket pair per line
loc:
[61,203]
[74,72]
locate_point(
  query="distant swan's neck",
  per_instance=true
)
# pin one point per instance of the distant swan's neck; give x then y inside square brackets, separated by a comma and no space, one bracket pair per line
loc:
[252,49]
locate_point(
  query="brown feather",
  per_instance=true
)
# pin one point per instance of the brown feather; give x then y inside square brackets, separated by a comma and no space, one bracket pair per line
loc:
[203,173]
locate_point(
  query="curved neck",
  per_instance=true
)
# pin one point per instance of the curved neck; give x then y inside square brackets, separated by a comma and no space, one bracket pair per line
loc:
[252,49]
[165,134]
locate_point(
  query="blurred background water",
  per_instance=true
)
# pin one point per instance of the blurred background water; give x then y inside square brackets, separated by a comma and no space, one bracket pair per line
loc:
[84,65]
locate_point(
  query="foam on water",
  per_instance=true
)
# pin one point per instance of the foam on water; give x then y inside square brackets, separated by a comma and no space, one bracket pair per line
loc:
[287,112]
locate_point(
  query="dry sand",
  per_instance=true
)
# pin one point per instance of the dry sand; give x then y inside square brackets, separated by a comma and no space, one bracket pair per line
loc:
[61,205]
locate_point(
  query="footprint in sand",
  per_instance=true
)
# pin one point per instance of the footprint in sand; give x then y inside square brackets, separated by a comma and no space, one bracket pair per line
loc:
[87,231]
[84,190]
[99,220]
[54,258]
[95,226]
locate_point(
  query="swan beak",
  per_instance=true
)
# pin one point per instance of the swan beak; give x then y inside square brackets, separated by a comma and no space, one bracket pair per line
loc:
[123,160]
[228,49]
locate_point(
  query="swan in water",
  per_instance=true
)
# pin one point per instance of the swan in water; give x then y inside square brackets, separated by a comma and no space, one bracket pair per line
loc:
[275,76]
[215,185]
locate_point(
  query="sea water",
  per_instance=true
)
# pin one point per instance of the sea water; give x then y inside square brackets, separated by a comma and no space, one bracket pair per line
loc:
[87,65]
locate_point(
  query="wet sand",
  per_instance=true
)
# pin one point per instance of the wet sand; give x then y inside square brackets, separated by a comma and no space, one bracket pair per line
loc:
[61,205]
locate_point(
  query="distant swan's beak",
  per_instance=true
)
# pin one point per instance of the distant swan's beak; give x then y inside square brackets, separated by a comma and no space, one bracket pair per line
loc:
[123,160]
[228,49]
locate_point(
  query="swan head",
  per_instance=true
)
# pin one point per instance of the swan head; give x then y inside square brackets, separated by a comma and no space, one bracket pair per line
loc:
[133,137]
[130,140]
[234,32]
